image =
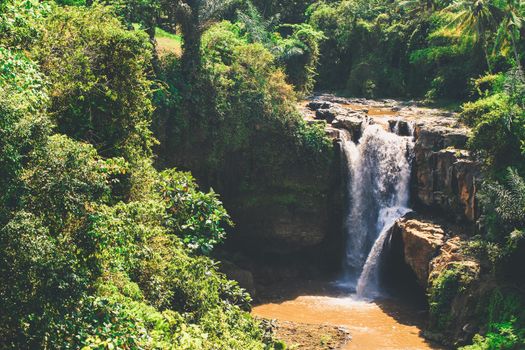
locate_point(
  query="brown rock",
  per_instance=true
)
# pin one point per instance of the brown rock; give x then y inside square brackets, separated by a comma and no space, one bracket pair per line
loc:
[326,114]
[352,122]
[445,178]
[450,253]
[421,243]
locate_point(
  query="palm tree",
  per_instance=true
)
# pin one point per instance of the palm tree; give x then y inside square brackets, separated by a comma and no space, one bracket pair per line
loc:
[419,7]
[506,200]
[476,18]
[194,17]
[510,27]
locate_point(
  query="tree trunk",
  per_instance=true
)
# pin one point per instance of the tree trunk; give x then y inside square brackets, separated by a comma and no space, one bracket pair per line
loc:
[515,49]
[188,17]
[150,30]
[487,57]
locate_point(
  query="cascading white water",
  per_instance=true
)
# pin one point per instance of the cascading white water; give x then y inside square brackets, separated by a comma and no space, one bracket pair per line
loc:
[368,283]
[378,191]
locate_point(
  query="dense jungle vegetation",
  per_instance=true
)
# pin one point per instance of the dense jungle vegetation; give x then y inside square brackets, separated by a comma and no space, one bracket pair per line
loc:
[104,244]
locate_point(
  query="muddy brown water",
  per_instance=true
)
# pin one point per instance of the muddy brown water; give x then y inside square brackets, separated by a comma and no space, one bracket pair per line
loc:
[373,325]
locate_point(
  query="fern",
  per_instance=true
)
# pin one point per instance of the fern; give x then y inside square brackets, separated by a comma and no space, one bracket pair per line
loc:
[504,204]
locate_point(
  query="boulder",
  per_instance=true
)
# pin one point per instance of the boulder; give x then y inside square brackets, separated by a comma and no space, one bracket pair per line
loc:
[421,242]
[326,114]
[319,104]
[399,127]
[455,140]
[353,122]
[337,134]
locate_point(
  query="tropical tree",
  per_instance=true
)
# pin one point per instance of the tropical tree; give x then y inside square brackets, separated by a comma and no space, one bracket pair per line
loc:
[509,32]
[194,17]
[421,6]
[475,18]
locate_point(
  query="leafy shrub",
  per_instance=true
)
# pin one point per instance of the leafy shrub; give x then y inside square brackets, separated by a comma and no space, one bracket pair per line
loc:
[505,323]
[141,263]
[443,289]
[504,206]
[21,22]
[199,218]
[23,124]
[495,130]
[63,178]
[43,278]
[498,121]
[101,91]
[299,53]
[248,111]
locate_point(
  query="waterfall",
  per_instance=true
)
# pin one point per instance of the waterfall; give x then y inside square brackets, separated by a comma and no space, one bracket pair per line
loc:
[378,193]
[368,283]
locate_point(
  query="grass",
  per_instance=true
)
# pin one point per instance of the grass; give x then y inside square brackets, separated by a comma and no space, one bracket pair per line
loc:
[160,33]
[168,43]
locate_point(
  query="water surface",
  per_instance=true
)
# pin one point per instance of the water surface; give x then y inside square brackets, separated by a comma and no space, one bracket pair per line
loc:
[386,324]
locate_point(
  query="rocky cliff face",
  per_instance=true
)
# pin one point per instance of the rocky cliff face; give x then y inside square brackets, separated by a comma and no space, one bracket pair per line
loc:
[420,241]
[445,176]
[292,226]
[430,247]
[435,252]
[299,224]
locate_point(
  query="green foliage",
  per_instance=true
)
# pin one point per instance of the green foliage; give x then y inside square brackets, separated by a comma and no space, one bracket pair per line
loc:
[94,242]
[249,104]
[101,91]
[21,22]
[505,205]
[505,330]
[418,48]
[295,46]
[133,241]
[498,122]
[443,289]
[365,52]
[42,279]
[62,179]
[487,84]
[199,218]
[23,124]
[497,119]
[289,11]
[503,223]
[299,53]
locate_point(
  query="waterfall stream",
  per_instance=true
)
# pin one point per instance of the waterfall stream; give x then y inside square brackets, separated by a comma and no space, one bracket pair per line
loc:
[378,193]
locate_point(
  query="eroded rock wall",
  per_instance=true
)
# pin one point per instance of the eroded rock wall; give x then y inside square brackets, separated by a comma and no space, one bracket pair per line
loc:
[436,252]
[445,176]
